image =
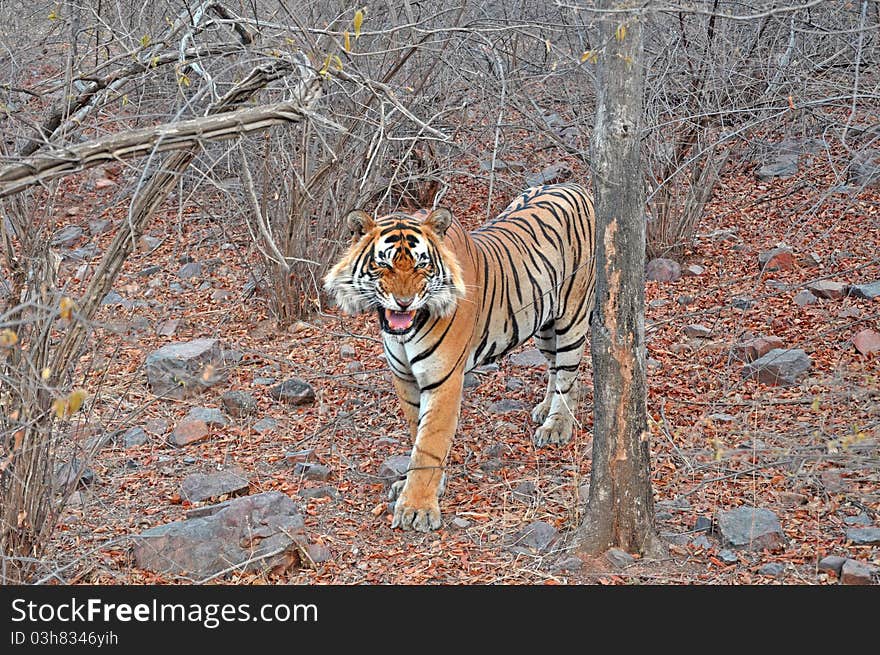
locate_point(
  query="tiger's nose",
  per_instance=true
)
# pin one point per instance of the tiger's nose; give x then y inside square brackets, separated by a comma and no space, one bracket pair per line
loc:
[403,301]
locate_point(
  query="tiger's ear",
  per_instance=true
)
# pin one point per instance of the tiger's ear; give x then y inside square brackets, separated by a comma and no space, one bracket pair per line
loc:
[359,222]
[439,221]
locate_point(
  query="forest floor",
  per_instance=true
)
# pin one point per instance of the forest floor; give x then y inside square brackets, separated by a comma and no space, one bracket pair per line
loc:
[808,453]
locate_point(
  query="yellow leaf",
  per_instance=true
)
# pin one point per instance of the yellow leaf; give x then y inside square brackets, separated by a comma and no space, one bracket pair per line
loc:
[64,407]
[45,374]
[325,69]
[337,62]
[59,406]
[358,21]
[124,99]
[75,400]
[815,405]
[145,40]
[8,338]
[66,307]
[620,34]
[547,45]
[590,56]
[346,41]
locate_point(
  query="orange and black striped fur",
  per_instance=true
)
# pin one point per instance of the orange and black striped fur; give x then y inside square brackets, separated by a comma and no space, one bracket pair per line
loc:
[448,300]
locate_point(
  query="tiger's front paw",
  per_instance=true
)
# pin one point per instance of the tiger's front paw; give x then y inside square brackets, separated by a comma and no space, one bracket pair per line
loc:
[540,411]
[419,516]
[556,430]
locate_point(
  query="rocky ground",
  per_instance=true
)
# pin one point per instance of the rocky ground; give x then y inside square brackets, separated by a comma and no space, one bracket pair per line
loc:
[764,406]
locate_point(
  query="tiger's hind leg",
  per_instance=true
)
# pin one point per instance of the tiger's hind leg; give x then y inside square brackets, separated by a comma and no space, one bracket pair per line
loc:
[561,398]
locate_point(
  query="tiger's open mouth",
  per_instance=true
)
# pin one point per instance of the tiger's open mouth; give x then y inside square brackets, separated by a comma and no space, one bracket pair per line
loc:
[395,322]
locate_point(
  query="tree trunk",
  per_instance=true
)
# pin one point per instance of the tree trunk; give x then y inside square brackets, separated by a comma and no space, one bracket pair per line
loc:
[620,512]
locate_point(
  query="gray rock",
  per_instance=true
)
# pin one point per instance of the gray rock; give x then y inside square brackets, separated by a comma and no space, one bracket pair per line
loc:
[86,252]
[702,524]
[496,449]
[204,486]
[701,541]
[502,165]
[293,392]
[489,368]
[232,356]
[784,165]
[570,563]
[863,536]
[697,331]
[803,298]
[551,175]
[180,370]
[779,367]
[471,381]
[394,468]
[535,537]
[512,384]
[149,243]
[619,558]
[662,270]
[168,328]
[505,406]
[255,533]
[827,289]
[319,492]
[347,351]
[189,271]
[311,471]
[461,523]
[266,424]
[751,528]
[832,563]
[524,491]
[772,569]
[721,417]
[864,170]
[66,236]
[742,302]
[73,473]
[855,572]
[156,427]
[728,556]
[210,415]
[113,298]
[99,226]
[859,519]
[135,436]
[692,270]
[530,357]
[238,403]
[491,465]
[867,291]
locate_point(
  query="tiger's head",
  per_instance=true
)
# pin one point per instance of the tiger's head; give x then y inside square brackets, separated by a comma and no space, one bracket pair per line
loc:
[400,266]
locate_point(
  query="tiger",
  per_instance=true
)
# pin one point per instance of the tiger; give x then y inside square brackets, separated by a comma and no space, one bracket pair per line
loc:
[449,300]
